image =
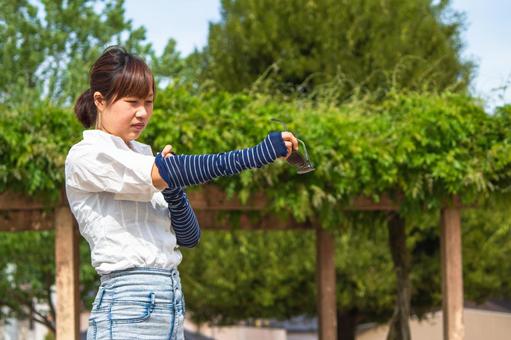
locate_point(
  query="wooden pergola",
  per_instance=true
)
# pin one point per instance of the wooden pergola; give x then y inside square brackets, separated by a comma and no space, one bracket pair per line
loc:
[19,212]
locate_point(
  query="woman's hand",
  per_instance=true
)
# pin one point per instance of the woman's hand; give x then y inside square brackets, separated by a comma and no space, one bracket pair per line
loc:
[158,181]
[171,195]
[167,151]
[290,141]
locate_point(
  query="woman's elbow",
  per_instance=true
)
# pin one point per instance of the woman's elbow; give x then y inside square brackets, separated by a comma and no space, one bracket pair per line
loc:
[190,243]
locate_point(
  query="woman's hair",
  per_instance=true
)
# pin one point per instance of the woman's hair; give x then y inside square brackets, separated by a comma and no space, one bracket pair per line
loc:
[116,74]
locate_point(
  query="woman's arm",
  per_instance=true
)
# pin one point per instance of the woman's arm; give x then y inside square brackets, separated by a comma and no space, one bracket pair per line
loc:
[158,182]
[182,217]
[185,170]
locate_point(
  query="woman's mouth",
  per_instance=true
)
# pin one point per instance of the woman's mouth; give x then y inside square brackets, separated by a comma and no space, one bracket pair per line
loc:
[138,127]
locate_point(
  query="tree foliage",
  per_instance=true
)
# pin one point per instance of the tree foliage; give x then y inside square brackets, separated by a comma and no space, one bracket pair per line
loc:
[48,47]
[368,45]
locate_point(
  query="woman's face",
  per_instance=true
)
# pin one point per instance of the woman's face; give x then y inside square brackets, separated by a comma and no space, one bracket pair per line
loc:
[126,117]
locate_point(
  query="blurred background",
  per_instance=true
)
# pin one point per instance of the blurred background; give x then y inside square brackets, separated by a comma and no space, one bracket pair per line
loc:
[401,97]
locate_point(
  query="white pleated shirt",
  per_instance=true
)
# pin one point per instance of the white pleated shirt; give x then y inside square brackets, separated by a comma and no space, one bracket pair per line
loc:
[120,213]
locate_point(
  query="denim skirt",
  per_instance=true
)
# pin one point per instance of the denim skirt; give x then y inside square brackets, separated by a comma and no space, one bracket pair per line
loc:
[138,303]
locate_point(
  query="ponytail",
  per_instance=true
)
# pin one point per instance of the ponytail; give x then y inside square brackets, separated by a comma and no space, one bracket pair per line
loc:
[85,109]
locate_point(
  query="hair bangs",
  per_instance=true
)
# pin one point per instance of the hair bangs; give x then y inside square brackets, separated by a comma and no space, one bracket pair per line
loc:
[136,80]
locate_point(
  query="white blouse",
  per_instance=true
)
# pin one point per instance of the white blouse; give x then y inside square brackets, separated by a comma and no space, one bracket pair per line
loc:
[120,213]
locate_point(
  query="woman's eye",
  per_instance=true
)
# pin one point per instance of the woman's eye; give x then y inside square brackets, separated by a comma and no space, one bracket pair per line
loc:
[148,101]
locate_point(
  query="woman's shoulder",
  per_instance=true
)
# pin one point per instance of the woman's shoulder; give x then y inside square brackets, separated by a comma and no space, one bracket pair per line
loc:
[87,153]
[79,150]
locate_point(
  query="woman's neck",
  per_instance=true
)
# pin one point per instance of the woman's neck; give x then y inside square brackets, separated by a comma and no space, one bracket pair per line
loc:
[128,143]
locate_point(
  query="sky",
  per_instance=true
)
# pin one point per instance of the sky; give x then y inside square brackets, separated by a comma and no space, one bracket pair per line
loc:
[487,35]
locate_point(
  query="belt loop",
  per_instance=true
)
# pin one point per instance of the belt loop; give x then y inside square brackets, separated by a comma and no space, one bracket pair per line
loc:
[101,294]
[152,300]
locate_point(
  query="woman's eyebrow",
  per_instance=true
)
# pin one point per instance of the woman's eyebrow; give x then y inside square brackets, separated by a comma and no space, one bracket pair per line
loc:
[138,98]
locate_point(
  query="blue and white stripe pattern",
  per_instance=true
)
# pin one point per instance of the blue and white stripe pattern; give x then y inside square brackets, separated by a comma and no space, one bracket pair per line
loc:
[184,170]
[182,217]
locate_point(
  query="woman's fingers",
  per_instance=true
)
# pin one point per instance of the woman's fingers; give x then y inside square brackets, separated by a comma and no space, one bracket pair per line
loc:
[291,139]
[288,136]
[166,152]
[289,147]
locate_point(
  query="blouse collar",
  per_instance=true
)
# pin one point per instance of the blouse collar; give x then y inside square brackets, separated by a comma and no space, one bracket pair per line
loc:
[96,134]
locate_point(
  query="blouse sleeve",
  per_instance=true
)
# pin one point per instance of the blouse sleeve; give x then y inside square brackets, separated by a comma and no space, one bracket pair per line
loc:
[123,172]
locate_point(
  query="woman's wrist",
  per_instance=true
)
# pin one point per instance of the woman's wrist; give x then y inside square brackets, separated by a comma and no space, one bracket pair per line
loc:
[278,143]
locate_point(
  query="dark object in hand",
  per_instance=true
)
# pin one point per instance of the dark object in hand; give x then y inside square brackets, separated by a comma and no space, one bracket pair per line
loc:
[303,164]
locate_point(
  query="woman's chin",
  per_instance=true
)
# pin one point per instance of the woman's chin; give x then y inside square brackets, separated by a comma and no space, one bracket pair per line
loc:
[134,134]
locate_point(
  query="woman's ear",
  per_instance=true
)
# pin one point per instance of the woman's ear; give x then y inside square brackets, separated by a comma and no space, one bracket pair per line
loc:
[99,101]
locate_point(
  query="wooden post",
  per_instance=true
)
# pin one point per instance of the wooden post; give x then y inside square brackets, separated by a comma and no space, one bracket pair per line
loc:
[66,257]
[452,274]
[325,267]
[399,327]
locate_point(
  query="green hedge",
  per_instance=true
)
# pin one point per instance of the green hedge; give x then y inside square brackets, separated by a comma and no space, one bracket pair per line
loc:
[424,146]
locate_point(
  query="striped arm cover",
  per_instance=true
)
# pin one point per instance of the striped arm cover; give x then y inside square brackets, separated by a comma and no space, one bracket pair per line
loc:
[182,217]
[180,171]
[187,170]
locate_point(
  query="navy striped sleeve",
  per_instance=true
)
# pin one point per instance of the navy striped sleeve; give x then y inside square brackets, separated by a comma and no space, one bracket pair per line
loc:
[182,217]
[186,170]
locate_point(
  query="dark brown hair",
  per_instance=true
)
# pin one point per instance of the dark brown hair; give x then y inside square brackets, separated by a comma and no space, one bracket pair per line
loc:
[116,74]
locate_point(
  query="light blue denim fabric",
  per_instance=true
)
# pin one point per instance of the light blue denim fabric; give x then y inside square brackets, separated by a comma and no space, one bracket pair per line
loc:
[138,303]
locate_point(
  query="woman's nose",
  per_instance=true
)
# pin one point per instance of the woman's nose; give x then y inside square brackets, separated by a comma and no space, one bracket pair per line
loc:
[141,112]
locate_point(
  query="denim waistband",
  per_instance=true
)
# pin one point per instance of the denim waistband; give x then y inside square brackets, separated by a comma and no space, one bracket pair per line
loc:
[171,272]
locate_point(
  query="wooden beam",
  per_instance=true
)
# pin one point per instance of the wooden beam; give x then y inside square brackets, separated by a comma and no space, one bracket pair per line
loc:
[216,220]
[325,281]
[212,197]
[364,203]
[11,200]
[208,219]
[18,201]
[21,220]
[452,273]
[67,263]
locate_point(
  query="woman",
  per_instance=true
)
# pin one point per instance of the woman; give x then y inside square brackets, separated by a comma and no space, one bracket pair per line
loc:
[131,206]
